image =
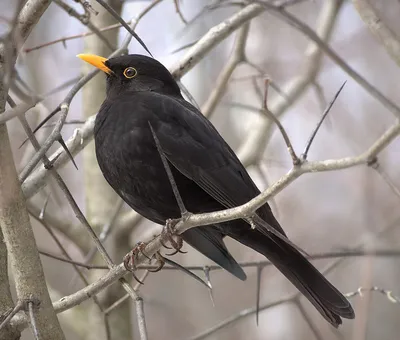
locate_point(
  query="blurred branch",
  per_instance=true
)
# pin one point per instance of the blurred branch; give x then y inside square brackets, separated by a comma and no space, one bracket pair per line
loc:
[213,37]
[133,22]
[306,30]
[253,147]
[293,297]
[101,207]
[80,138]
[295,160]
[76,268]
[140,316]
[14,220]
[117,303]
[379,29]
[85,20]
[387,293]
[79,215]
[377,167]
[16,111]
[308,320]
[71,231]
[237,56]
[178,10]
[32,309]
[5,319]
[238,316]
[246,264]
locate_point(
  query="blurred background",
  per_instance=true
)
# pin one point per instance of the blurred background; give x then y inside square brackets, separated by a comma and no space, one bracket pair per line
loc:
[322,212]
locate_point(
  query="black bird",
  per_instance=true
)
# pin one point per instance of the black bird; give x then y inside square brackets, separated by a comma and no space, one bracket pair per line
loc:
[142,92]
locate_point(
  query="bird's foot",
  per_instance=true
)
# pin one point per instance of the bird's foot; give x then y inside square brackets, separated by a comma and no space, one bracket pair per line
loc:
[160,263]
[175,240]
[130,259]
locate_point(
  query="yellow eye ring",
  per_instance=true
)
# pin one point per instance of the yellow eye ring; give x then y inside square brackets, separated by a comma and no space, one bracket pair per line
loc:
[130,72]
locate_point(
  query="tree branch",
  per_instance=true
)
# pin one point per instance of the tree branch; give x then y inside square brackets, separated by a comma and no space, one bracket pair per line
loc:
[253,147]
[379,29]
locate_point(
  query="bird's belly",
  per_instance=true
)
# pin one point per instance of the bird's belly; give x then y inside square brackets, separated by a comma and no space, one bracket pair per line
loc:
[142,182]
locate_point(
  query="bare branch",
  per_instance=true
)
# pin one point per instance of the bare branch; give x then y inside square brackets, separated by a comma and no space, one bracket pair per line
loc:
[251,151]
[140,316]
[292,153]
[126,297]
[171,179]
[308,320]
[8,316]
[85,20]
[32,317]
[377,167]
[178,10]
[14,219]
[235,317]
[302,27]
[237,56]
[214,36]
[387,293]
[123,23]
[246,264]
[379,29]
[16,111]
[133,22]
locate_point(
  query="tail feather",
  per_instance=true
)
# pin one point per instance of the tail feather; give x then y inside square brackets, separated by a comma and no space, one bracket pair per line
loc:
[331,304]
[209,242]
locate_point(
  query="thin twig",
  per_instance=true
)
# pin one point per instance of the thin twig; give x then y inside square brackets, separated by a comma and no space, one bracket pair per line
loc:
[123,23]
[178,10]
[296,161]
[302,27]
[140,316]
[126,296]
[19,306]
[31,311]
[308,320]
[377,167]
[246,264]
[235,317]
[314,133]
[258,291]
[171,179]
[103,29]
[237,57]
[387,293]
[85,21]
[206,270]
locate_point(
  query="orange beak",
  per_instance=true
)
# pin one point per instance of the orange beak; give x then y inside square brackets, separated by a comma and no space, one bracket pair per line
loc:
[96,61]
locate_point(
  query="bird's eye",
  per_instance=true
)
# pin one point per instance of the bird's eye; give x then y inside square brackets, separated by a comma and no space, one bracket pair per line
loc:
[130,72]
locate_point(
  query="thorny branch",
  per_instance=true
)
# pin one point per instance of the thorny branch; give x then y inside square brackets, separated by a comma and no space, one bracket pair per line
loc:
[229,214]
[35,179]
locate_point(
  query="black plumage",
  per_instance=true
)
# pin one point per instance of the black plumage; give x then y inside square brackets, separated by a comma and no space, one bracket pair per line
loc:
[209,176]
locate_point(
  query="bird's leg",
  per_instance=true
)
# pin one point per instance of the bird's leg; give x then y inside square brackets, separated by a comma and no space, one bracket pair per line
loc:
[168,232]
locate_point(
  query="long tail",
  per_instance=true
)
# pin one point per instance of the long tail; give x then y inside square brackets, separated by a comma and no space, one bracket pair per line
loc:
[301,273]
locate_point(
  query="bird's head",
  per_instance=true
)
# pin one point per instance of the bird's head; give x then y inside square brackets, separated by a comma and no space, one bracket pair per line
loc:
[134,73]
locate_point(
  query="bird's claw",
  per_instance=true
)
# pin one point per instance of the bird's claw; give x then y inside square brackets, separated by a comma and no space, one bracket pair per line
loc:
[168,232]
[131,258]
[160,262]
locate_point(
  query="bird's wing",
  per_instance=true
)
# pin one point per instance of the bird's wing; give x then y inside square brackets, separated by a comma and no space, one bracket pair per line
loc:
[192,144]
